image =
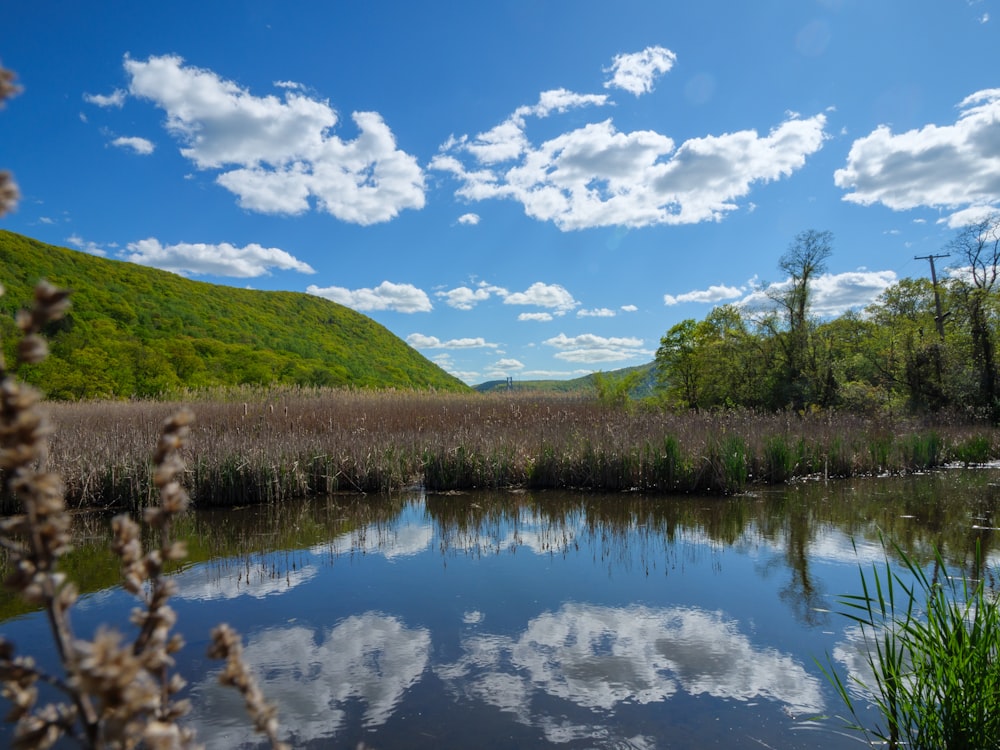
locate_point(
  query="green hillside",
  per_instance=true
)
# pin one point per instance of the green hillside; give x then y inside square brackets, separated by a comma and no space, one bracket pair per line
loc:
[138,331]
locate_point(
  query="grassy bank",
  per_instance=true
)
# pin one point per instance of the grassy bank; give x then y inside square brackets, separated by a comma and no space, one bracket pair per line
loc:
[250,446]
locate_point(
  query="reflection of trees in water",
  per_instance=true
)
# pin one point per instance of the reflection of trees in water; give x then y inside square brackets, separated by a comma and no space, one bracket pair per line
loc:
[952,511]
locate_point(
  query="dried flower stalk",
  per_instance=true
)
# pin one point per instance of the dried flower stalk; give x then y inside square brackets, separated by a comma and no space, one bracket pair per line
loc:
[116,694]
[9,194]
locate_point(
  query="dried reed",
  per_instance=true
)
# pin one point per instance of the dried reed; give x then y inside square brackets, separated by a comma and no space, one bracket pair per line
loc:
[261,445]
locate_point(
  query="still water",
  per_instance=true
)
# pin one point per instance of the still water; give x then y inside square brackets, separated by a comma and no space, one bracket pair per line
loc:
[522,620]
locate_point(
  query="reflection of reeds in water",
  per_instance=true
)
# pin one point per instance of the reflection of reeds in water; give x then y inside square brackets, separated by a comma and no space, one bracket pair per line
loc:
[257,445]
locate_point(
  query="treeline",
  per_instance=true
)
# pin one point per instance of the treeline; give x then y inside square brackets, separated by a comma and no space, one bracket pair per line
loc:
[921,347]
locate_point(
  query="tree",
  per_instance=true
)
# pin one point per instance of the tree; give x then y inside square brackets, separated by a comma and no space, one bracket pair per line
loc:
[975,279]
[804,260]
[903,349]
[677,366]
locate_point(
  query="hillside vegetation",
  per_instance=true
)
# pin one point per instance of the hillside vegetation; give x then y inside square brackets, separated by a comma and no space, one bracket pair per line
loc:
[141,332]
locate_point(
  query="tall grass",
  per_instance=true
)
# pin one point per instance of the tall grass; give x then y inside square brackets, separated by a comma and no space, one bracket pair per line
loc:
[260,445]
[932,645]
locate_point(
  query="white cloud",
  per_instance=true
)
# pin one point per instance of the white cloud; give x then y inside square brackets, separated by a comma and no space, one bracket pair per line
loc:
[469,219]
[404,298]
[596,175]
[833,294]
[948,166]
[420,341]
[86,246]
[715,293]
[275,154]
[115,99]
[508,364]
[591,348]
[600,312]
[543,295]
[221,259]
[538,317]
[464,298]
[636,72]
[967,216]
[136,144]
[629,308]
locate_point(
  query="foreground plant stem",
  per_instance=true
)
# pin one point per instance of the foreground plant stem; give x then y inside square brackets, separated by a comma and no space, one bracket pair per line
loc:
[118,694]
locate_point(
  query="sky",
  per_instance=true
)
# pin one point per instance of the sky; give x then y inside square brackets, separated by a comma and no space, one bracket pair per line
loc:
[522,188]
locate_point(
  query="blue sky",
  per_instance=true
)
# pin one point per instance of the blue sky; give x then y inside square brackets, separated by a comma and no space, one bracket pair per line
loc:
[525,188]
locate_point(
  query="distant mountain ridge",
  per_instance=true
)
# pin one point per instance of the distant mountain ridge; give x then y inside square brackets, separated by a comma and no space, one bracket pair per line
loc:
[586,385]
[135,331]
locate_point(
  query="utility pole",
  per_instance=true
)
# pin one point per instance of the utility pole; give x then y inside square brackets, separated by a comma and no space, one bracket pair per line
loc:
[939,317]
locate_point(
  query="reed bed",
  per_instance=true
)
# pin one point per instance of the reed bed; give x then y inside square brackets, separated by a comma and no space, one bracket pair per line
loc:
[262,446]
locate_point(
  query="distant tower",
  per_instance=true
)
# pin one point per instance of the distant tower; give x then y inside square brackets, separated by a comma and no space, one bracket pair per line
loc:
[510,382]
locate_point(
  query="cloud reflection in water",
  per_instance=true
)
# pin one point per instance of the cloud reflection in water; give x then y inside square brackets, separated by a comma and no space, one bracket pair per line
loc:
[599,657]
[372,658]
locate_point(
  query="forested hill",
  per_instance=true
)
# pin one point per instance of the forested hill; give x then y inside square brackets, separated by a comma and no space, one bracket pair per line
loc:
[138,331]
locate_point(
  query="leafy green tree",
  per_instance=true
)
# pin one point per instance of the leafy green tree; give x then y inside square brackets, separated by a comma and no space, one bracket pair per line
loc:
[678,369]
[804,260]
[977,247]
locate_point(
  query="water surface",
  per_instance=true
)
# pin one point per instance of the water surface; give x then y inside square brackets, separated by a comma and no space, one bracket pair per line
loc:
[508,620]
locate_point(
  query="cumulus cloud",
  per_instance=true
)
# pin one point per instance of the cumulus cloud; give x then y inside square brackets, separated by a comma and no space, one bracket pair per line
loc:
[404,298]
[221,259]
[954,166]
[135,144]
[539,294]
[832,294]
[115,99]
[278,154]
[591,348]
[599,312]
[715,293]
[636,72]
[629,308]
[538,317]
[553,296]
[507,365]
[420,341]
[595,175]
[464,298]
[86,245]
[469,219]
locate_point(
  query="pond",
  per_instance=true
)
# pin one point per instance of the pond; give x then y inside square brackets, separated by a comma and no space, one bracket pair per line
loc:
[521,619]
